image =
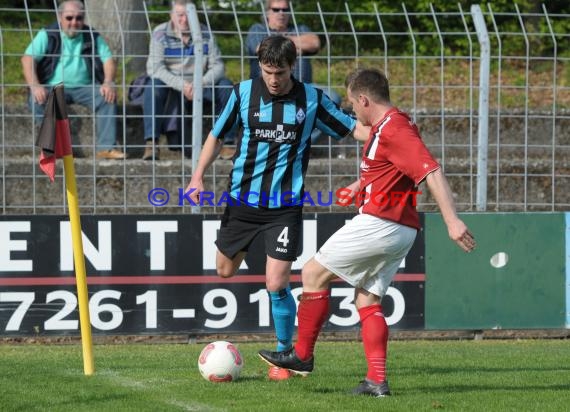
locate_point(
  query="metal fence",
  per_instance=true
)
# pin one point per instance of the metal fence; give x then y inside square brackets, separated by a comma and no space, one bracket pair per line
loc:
[497,121]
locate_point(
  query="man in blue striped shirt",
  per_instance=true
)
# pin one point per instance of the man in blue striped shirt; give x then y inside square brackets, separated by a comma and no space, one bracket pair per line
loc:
[277,114]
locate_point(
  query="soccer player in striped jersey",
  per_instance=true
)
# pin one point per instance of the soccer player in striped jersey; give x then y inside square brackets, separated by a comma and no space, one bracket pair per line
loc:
[394,162]
[277,114]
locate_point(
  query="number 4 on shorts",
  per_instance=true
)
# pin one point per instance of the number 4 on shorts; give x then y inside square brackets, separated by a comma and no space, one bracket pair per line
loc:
[283,237]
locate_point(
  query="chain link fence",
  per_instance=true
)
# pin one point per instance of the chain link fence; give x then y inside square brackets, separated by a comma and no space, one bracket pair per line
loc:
[492,103]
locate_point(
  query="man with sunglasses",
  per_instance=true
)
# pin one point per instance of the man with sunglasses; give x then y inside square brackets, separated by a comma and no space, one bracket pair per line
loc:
[69,52]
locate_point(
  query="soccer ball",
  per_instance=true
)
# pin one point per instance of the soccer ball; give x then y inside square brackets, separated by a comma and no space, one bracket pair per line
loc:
[220,361]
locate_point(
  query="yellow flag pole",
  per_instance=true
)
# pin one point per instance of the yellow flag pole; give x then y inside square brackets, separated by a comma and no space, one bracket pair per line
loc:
[79,259]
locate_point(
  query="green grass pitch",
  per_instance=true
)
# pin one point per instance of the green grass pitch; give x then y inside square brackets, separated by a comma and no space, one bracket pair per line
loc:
[464,375]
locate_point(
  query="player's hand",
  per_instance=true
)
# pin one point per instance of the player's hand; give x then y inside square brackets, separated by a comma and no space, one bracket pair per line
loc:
[194,189]
[459,233]
[361,132]
[347,194]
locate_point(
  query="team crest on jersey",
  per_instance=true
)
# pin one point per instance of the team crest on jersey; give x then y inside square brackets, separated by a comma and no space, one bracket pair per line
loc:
[300,116]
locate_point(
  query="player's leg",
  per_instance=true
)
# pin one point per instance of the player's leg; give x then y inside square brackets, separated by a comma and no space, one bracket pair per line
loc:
[226,266]
[234,237]
[393,241]
[313,307]
[282,239]
[312,314]
[374,330]
[283,307]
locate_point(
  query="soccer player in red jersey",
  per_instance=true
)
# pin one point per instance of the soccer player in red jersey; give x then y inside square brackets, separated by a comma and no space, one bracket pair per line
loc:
[394,160]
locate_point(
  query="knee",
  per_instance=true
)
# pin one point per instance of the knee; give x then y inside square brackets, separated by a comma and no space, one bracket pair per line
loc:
[275,285]
[315,276]
[225,272]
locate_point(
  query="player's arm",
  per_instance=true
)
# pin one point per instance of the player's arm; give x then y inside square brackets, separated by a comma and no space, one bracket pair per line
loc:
[209,153]
[458,231]
[361,132]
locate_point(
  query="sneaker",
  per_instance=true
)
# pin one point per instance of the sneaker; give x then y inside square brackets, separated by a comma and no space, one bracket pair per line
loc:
[111,154]
[369,388]
[151,152]
[279,374]
[227,152]
[288,360]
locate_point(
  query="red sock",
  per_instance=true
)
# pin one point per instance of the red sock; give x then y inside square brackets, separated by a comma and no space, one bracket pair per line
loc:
[312,314]
[375,341]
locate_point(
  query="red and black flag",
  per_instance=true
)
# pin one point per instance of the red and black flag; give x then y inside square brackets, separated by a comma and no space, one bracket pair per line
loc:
[54,139]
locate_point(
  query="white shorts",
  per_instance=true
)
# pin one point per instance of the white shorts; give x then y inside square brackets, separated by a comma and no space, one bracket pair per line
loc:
[367,251]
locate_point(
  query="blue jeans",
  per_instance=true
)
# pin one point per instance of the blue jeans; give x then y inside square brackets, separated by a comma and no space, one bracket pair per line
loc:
[88,96]
[162,111]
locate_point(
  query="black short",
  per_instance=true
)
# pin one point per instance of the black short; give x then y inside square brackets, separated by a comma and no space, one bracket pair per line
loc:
[281,228]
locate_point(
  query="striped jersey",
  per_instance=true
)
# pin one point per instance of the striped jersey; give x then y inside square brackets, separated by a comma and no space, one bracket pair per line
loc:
[394,161]
[273,153]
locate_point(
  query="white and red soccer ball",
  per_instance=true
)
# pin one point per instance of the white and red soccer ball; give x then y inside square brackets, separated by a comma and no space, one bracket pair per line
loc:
[220,361]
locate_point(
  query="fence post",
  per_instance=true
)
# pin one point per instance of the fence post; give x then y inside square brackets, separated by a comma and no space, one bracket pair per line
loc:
[526,91]
[441,83]
[498,112]
[414,64]
[483,130]
[197,110]
[384,40]
[468,36]
[2,129]
[554,86]
[327,45]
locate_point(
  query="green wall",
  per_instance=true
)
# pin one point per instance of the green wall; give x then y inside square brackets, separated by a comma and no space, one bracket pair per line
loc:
[464,291]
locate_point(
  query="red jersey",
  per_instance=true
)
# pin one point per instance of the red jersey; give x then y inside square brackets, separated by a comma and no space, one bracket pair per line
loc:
[394,162]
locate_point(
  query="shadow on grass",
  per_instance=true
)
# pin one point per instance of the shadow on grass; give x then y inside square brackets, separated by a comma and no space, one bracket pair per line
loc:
[446,388]
[430,370]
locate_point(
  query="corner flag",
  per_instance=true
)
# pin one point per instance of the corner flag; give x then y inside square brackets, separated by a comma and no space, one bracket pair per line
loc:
[55,142]
[54,138]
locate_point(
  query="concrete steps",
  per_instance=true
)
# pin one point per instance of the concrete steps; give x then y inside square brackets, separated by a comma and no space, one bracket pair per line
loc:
[540,182]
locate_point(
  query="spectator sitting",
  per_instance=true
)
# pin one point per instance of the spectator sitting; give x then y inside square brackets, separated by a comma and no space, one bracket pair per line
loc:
[86,52]
[170,67]
[276,21]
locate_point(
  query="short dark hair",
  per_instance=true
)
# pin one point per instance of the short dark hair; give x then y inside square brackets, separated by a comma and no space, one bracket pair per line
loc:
[277,51]
[371,82]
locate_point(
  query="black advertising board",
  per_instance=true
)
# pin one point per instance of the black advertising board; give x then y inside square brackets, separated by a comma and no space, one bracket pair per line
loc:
[156,275]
